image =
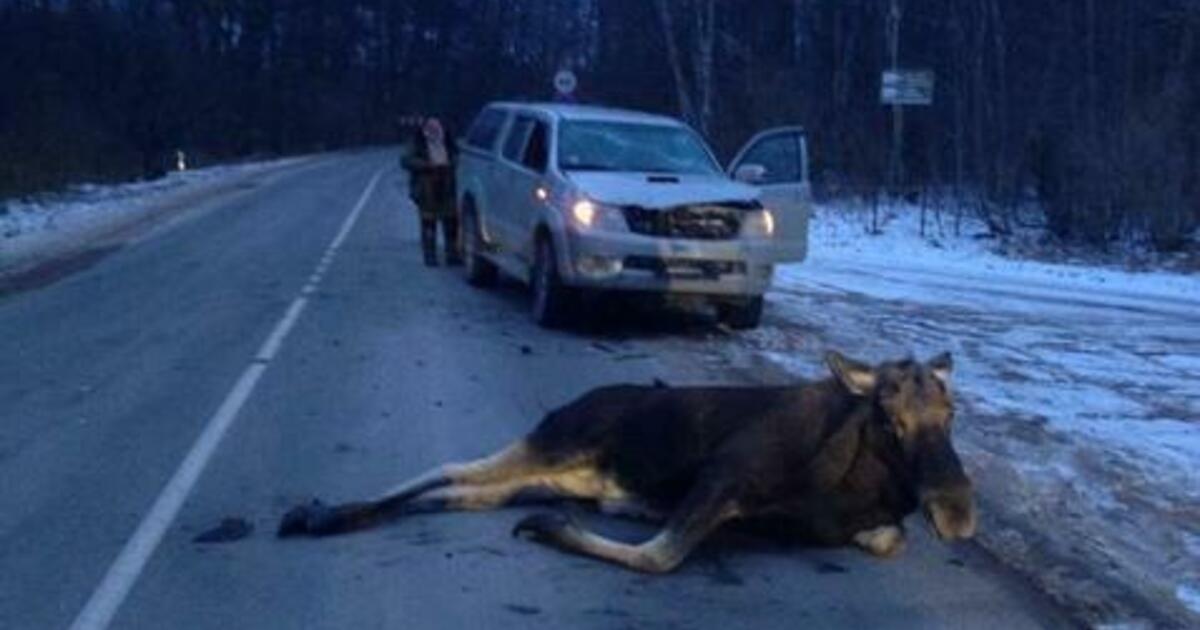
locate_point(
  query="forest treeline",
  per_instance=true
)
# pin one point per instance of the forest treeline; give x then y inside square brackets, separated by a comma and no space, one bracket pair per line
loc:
[1089,107]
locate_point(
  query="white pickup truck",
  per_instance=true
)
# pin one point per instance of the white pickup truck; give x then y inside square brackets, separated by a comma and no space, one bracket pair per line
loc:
[570,198]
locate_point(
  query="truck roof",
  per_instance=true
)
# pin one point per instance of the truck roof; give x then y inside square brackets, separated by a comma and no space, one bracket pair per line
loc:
[565,111]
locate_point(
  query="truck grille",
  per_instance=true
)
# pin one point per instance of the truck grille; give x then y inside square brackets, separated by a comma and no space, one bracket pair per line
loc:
[705,222]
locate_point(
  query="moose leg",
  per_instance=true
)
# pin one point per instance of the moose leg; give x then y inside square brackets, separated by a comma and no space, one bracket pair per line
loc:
[632,508]
[479,488]
[479,498]
[883,542]
[508,466]
[705,508]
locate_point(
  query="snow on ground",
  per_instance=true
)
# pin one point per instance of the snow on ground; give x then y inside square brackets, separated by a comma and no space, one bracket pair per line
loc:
[41,226]
[839,233]
[1079,388]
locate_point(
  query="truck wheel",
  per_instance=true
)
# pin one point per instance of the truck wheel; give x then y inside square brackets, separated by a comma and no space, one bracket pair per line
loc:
[479,270]
[551,300]
[744,315]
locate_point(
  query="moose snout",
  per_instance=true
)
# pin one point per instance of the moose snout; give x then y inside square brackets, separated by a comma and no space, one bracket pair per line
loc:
[945,492]
[951,511]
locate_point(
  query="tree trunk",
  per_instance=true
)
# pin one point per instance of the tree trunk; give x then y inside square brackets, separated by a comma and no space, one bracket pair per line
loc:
[682,89]
[706,30]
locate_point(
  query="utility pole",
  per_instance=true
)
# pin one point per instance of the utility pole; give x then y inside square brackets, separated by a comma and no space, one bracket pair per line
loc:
[896,162]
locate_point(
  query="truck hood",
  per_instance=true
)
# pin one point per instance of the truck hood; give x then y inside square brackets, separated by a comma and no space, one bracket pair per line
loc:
[637,189]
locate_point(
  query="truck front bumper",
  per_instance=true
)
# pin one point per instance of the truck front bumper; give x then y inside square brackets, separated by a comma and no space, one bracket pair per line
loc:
[633,262]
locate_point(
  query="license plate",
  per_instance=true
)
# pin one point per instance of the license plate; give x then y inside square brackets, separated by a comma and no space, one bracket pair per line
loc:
[689,269]
[684,249]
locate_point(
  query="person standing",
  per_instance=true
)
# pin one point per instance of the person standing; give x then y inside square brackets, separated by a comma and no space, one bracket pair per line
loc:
[430,162]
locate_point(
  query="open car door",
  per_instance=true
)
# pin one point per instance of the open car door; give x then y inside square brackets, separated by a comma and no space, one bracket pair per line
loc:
[776,162]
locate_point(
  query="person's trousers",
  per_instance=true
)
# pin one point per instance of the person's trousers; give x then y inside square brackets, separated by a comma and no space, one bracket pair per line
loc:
[449,238]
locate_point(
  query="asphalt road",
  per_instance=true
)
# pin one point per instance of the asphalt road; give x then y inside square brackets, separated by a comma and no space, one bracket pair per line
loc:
[110,376]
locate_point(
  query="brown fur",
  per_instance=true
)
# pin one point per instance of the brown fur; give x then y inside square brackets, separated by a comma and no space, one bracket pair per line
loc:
[838,461]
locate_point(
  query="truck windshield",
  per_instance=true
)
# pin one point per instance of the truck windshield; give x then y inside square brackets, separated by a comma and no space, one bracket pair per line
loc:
[609,146]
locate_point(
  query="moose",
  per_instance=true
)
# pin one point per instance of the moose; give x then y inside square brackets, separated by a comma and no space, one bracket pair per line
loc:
[839,461]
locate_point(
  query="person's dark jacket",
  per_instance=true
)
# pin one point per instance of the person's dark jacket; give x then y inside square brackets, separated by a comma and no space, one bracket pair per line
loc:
[431,187]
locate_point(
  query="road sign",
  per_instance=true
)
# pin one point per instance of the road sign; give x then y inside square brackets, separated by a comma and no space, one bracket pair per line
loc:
[565,82]
[907,87]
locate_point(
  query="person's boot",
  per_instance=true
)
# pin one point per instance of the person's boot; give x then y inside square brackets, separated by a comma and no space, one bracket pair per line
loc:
[429,242]
[450,237]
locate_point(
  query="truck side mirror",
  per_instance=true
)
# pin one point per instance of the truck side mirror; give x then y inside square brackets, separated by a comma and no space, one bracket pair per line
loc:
[750,173]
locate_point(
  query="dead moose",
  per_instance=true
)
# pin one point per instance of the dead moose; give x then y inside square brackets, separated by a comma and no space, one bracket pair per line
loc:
[838,461]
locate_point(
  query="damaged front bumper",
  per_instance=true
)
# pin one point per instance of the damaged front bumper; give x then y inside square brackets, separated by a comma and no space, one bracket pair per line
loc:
[634,262]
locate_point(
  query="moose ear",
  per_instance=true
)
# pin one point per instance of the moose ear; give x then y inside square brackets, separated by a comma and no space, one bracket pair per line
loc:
[941,366]
[854,376]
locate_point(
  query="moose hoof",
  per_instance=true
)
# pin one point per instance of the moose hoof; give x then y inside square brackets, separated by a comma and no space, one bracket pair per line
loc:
[303,520]
[544,527]
[882,542]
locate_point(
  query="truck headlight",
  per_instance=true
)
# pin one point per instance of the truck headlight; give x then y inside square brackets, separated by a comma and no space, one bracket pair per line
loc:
[597,216]
[759,223]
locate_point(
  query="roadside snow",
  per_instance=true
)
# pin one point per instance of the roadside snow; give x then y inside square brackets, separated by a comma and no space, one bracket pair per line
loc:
[840,234]
[47,225]
[1190,596]
[1080,389]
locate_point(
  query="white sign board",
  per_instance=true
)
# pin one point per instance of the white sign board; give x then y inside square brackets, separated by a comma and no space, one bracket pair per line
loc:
[565,82]
[907,87]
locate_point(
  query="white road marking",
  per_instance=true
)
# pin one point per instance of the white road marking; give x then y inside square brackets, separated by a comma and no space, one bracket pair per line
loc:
[271,346]
[100,609]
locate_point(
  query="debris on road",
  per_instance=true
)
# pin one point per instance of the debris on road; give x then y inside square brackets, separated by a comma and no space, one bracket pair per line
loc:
[522,609]
[230,530]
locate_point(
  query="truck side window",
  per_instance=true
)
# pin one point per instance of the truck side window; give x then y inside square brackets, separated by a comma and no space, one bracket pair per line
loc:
[537,151]
[518,134]
[485,130]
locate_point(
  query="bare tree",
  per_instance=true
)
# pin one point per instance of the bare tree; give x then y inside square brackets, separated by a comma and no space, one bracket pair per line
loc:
[683,89]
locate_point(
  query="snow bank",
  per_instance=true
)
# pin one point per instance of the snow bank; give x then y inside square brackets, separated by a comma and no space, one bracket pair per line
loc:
[41,226]
[841,232]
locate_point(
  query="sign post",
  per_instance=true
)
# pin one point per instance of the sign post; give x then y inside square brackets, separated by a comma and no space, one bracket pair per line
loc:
[899,88]
[896,162]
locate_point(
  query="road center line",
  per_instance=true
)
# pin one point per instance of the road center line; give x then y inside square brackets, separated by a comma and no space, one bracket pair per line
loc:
[100,609]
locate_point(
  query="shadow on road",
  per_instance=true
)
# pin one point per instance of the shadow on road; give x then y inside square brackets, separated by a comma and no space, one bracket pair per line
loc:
[625,317]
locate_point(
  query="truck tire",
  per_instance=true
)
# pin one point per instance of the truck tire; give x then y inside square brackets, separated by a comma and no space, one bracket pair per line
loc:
[480,271]
[744,315]
[552,302]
